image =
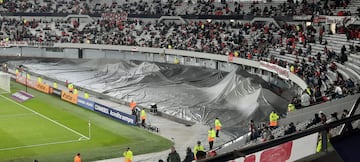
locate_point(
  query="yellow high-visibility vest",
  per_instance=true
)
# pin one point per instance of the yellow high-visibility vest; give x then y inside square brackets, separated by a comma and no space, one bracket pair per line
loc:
[143,115]
[176,61]
[291,107]
[217,124]
[76,91]
[198,148]
[39,80]
[128,155]
[236,54]
[86,95]
[211,135]
[308,90]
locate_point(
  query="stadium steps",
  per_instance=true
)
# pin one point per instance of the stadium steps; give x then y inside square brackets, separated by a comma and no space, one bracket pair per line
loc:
[343,73]
[340,39]
[277,55]
[350,72]
[331,75]
[300,115]
[354,59]
[354,67]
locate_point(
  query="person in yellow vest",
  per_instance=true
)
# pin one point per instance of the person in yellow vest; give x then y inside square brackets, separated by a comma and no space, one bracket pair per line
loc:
[75,91]
[319,144]
[169,46]
[176,61]
[55,85]
[309,91]
[128,154]
[292,69]
[198,148]
[291,107]
[86,95]
[217,126]
[17,72]
[211,138]
[39,79]
[236,54]
[71,87]
[273,119]
[143,117]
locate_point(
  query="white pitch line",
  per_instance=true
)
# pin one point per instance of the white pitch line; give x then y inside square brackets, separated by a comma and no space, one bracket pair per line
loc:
[37,145]
[15,115]
[45,117]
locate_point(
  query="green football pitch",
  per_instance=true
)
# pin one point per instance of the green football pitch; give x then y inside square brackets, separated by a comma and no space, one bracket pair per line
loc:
[49,129]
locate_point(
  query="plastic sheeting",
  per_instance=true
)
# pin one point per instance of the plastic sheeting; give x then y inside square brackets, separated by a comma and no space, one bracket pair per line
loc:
[192,93]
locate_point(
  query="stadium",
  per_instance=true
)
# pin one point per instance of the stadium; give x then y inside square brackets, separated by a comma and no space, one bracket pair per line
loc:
[179,80]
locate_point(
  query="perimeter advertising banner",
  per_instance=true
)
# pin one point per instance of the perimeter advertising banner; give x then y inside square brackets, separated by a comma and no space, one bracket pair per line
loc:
[115,114]
[70,97]
[85,103]
[42,87]
[286,152]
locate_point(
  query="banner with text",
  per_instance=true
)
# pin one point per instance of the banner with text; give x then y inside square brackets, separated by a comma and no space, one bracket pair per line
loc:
[280,71]
[335,19]
[85,103]
[302,18]
[13,43]
[42,87]
[127,118]
[286,152]
[70,97]
[114,16]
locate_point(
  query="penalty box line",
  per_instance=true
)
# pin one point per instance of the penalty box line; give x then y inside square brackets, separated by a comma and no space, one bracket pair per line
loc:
[43,144]
[47,118]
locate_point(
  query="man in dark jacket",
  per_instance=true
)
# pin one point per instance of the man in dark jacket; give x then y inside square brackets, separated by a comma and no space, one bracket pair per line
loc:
[291,129]
[314,121]
[189,155]
[173,156]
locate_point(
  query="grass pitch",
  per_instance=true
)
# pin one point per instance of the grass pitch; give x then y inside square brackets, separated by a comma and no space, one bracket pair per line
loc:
[49,129]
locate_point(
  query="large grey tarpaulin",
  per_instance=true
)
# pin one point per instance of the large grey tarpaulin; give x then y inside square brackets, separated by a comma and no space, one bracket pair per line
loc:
[192,93]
